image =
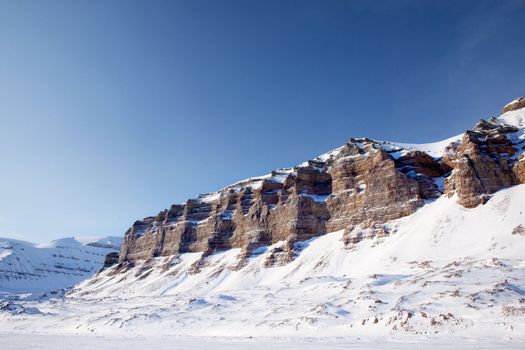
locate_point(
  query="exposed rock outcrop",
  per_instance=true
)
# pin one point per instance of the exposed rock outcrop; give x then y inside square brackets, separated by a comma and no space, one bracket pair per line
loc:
[360,183]
[519,170]
[483,163]
[368,186]
[364,184]
[514,105]
[110,260]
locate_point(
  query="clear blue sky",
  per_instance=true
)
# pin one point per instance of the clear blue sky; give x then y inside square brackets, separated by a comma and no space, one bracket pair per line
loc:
[113,110]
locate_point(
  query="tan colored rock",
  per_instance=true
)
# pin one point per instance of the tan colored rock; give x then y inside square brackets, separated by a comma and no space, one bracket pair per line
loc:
[482,164]
[354,234]
[363,184]
[514,105]
[368,188]
[519,171]
[252,214]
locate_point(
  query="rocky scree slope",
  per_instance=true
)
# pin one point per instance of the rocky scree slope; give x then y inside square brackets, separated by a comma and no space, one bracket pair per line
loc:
[365,183]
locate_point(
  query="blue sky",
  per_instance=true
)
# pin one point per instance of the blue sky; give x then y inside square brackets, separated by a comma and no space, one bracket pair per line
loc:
[113,110]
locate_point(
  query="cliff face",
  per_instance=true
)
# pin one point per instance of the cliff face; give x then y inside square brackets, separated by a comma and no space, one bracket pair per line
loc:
[362,184]
[484,162]
[358,184]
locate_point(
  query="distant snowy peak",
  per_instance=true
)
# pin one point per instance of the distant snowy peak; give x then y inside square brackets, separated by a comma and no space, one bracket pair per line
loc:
[112,242]
[33,268]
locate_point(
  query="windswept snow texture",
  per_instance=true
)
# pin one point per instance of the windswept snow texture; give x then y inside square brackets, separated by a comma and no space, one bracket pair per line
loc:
[35,268]
[445,269]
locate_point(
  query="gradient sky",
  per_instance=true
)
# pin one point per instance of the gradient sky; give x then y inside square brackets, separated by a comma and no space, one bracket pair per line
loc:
[113,110]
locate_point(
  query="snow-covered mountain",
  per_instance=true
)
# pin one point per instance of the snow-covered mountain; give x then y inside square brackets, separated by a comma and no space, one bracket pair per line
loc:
[363,184]
[35,268]
[445,269]
[372,239]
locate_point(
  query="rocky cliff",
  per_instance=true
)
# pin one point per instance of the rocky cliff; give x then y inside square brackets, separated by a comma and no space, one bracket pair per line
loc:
[361,185]
[514,105]
[484,162]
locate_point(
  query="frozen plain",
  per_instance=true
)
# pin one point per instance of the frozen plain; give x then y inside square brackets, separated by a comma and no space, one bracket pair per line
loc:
[82,342]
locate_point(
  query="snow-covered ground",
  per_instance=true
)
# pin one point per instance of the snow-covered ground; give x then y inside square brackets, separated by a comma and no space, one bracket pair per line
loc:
[26,342]
[445,271]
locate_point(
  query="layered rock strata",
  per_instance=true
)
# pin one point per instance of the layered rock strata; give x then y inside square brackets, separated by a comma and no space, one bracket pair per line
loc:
[363,184]
[484,162]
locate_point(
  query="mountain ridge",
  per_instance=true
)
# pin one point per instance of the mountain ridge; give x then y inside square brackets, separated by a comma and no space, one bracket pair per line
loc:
[364,182]
[27,267]
[374,239]
[444,270]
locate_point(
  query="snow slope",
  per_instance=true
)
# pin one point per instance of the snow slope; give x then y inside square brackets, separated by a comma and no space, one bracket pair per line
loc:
[34,268]
[515,118]
[445,269]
